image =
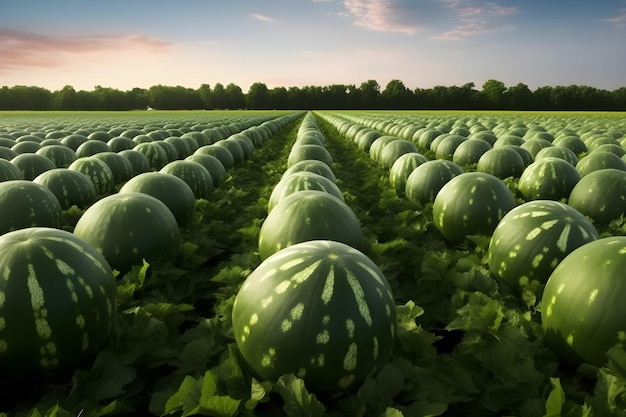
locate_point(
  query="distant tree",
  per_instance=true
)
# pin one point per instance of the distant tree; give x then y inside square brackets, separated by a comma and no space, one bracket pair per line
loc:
[542,97]
[280,99]
[22,97]
[258,97]
[355,97]
[335,96]
[396,96]
[218,97]
[493,94]
[235,98]
[138,98]
[518,97]
[618,98]
[296,98]
[205,95]
[65,99]
[370,91]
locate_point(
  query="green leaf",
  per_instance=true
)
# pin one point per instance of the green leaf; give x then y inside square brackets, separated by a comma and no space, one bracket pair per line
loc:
[556,399]
[407,314]
[219,406]
[298,401]
[392,412]
[186,399]
[106,379]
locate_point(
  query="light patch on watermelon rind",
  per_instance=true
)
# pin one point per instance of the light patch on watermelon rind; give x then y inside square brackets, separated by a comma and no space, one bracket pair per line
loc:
[63,267]
[3,346]
[371,271]
[86,287]
[267,361]
[346,381]
[350,360]
[296,311]
[322,337]
[350,327]
[375,349]
[267,301]
[359,297]
[2,323]
[254,319]
[563,239]
[285,326]
[592,296]
[329,285]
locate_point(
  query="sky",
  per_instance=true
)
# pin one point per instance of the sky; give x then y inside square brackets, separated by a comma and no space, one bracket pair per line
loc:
[124,44]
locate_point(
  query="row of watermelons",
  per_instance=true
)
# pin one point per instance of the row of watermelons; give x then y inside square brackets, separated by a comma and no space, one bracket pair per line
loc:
[316,307]
[548,246]
[57,287]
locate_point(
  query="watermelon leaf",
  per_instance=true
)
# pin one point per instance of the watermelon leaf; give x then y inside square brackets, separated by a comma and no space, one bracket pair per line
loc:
[298,401]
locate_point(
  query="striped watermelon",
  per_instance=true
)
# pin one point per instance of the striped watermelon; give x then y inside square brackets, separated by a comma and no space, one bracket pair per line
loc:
[321,310]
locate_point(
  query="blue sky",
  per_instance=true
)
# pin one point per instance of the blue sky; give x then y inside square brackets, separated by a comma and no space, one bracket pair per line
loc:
[139,43]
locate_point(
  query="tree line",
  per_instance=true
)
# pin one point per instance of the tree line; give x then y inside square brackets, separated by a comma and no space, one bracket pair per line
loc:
[493,95]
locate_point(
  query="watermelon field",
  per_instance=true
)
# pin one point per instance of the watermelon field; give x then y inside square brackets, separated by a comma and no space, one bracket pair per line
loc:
[312,263]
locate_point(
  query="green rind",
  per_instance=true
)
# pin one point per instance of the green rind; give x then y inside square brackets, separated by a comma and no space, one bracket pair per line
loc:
[25,204]
[57,303]
[128,228]
[531,240]
[309,215]
[471,204]
[320,310]
[583,307]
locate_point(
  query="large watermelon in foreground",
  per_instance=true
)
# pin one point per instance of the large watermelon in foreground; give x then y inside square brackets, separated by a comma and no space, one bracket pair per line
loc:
[321,310]
[57,303]
[583,311]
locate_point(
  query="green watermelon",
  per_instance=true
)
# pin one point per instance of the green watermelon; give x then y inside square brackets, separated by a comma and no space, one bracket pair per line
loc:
[583,309]
[308,215]
[57,303]
[321,310]
[128,228]
[532,238]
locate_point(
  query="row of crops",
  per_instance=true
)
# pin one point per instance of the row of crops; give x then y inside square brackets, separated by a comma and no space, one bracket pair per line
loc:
[313,264]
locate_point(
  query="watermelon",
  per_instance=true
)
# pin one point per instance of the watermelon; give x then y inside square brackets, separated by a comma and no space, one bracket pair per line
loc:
[300,181]
[71,188]
[601,195]
[308,215]
[423,184]
[321,310]
[128,228]
[25,204]
[194,174]
[548,178]
[532,238]
[57,303]
[582,309]
[471,203]
[175,193]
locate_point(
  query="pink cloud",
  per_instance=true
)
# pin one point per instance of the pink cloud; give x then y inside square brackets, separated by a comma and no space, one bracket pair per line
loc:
[378,15]
[20,49]
[619,20]
[475,18]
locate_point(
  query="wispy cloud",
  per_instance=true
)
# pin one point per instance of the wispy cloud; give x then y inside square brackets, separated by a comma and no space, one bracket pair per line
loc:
[261,17]
[618,20]
[475,18]
[381,15]
[20,49]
